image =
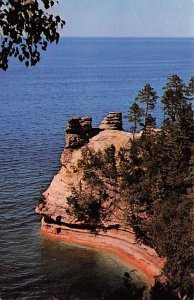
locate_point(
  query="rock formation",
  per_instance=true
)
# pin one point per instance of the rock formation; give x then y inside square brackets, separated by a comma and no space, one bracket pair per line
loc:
[115,236]
[78,132]
[113,121]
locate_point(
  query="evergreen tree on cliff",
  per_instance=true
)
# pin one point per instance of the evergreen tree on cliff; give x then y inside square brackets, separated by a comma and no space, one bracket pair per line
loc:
[26,28]
[168,202]
[174,98]
[147,96]
[191,87]
[163,188]
[134,116]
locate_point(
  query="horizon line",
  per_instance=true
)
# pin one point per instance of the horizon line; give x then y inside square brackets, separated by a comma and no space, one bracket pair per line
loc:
[165,37]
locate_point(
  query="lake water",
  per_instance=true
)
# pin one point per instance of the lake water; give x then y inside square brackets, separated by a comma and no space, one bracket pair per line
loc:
[81,76]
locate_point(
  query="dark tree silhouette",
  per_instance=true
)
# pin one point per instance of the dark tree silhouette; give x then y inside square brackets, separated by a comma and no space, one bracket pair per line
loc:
[134,116]
[191,87]
[148,97]
[149,185]
[26,28]
[174,98]
[92,202]
[158,188]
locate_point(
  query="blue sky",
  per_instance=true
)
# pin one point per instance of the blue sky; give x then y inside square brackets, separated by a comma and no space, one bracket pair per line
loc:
[139,18]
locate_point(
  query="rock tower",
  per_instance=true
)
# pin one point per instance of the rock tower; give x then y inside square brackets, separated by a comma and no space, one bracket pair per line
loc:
[113,121]
[79,130]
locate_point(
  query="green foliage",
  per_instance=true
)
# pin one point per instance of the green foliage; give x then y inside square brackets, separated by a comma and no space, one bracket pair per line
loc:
[99,164]
[85,207]
[191,86]
[89,163]
[134,116]
[130,180]
[26,29]
[149,181]
[150,122]
[174,98]
[93,202]
[165,223]
[147,96]
[159,194]
[108,167]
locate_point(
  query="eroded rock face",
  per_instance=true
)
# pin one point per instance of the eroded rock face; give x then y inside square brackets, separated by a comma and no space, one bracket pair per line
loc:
[112,122]
[120,241]
[69,176]
[117,238]
[78,132]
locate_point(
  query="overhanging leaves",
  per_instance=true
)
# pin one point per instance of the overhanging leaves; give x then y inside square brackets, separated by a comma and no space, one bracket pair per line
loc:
[26,28]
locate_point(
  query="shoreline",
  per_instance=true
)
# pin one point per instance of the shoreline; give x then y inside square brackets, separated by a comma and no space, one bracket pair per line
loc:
[118,242]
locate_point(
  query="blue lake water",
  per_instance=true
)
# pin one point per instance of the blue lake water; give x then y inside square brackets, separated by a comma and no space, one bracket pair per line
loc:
[80,76]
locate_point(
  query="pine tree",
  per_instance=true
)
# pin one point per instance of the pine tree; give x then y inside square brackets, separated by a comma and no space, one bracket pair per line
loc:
[134,116]
[174,98]
[191,88]
[148,97]
[191,84]
[151,183]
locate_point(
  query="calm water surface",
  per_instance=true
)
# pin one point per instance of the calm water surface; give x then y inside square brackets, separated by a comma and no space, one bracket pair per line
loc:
[78,77]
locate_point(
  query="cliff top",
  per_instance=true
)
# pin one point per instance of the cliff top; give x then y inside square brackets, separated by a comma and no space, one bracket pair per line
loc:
[79,134]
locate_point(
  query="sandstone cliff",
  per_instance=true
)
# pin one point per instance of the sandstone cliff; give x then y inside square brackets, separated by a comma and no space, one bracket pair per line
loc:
[115,236]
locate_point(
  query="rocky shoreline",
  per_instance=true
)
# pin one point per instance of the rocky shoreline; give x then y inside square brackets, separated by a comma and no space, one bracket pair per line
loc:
[114,236]
[117,241]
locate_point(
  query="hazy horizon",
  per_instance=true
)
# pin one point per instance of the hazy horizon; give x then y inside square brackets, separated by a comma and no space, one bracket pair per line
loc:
[130,37]
[127,18]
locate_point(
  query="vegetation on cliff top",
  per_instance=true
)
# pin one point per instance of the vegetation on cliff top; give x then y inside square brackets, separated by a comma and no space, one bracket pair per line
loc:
[150,182]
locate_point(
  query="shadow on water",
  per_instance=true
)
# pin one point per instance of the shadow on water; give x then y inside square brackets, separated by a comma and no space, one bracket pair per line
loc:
[47,269]
[80,273]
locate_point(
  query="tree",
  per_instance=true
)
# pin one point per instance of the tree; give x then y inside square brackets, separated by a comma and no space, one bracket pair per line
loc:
[109,167]
[86,207]
[177,106]
[191,87]
[135,116]
[174,98]
[157,185]
[97,196]
[149,186]
[26,28]
[148,97]
[166,160]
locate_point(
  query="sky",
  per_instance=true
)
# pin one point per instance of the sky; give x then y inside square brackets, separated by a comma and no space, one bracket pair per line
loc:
[127,18]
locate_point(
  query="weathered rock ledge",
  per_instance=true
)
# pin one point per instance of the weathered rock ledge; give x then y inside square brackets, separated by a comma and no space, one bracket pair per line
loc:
[114,236]
[117,241]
